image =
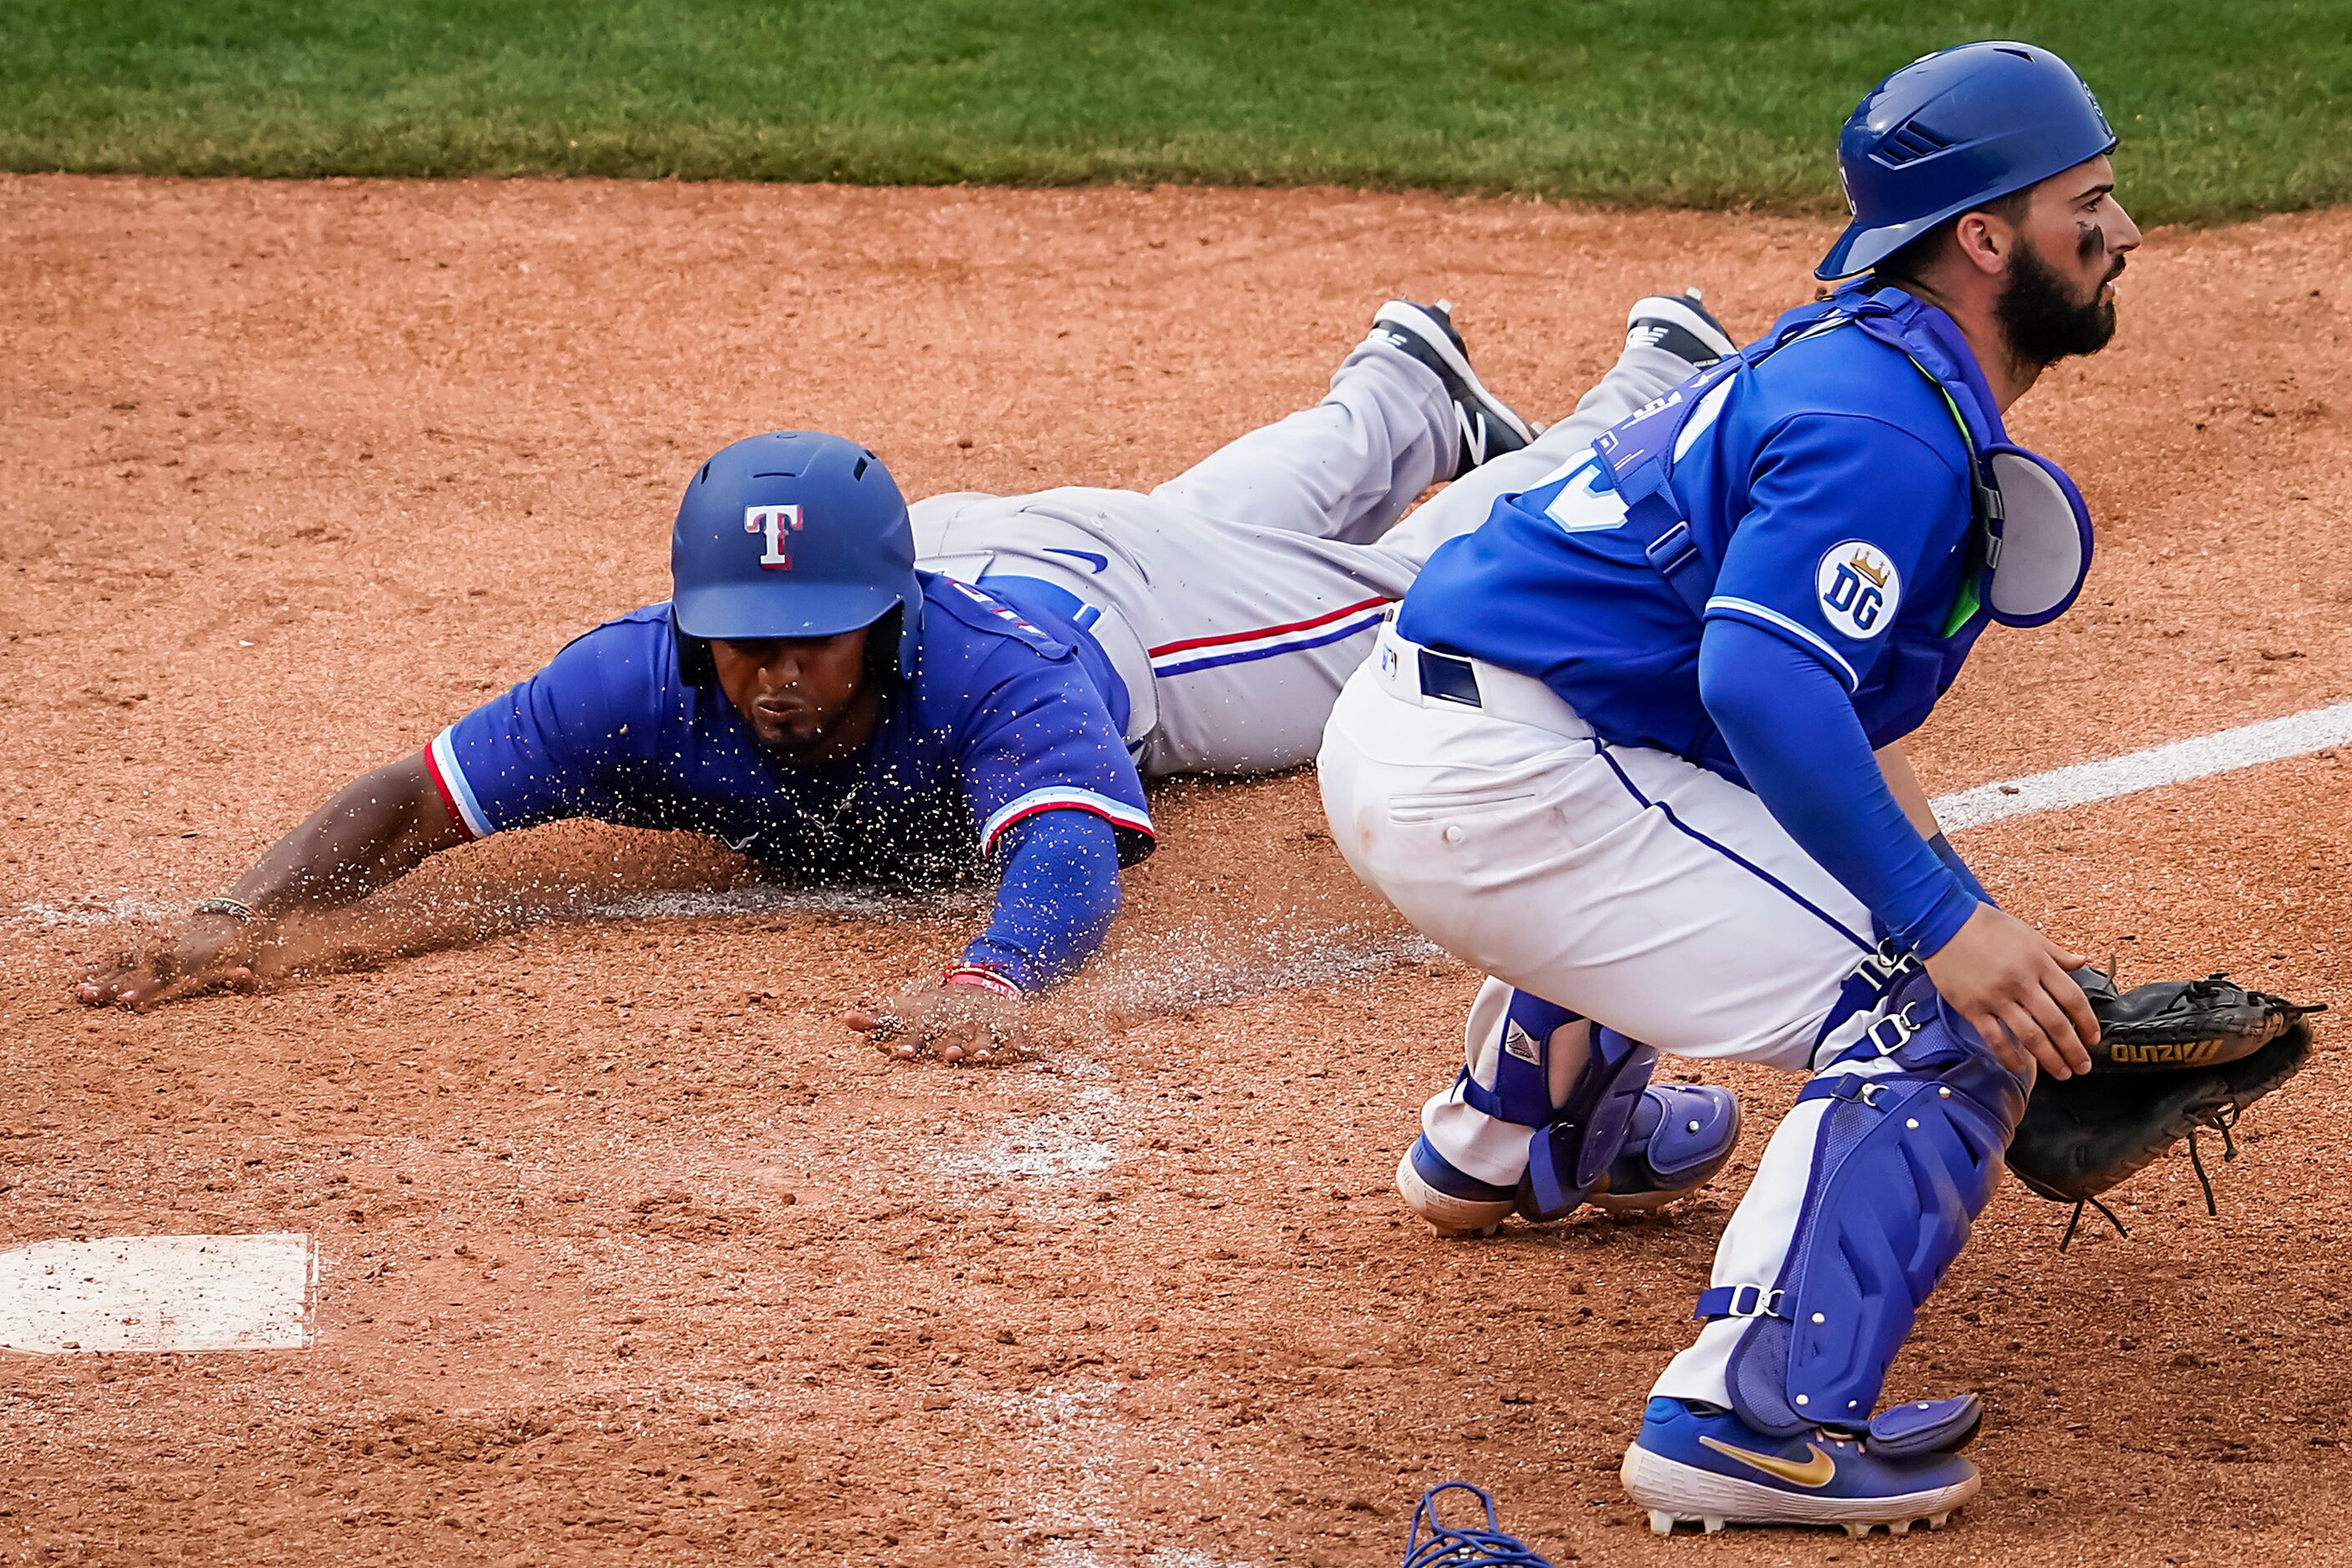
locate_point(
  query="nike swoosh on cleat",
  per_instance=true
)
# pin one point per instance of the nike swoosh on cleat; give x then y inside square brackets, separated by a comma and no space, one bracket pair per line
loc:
[1817,1471]
[1098,563]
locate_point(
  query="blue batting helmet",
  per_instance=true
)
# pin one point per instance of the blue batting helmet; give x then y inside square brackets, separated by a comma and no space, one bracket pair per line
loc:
[1951,131]
[794,534]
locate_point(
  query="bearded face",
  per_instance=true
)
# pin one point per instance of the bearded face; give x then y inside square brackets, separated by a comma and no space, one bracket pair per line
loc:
[2049,315]
[2058,298]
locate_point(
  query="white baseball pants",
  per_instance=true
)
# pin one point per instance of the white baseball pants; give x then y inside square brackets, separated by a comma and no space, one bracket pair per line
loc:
[1624,884]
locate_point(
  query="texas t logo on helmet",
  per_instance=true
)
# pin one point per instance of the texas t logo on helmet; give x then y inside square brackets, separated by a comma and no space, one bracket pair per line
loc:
[771,521]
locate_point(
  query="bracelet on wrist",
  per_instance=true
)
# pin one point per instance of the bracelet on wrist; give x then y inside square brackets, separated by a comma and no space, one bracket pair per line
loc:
[237,910]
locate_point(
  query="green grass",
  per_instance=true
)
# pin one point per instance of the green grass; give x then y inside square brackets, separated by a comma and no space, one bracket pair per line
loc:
[2225,109]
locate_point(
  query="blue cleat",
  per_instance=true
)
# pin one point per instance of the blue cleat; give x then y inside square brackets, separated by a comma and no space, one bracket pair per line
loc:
[1454,1203]
[1698,1464]
[1680,1135]
[1473,1548]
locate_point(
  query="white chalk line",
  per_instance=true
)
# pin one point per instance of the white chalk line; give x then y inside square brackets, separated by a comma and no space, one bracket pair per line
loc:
[2176,761]
[1059,1145]
[1075,1490]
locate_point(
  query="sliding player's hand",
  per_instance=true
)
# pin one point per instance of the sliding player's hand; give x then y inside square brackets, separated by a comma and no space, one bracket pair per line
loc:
[956,1023]
[211,952]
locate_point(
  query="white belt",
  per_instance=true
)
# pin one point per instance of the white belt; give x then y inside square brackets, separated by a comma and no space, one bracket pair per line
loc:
[1428,678]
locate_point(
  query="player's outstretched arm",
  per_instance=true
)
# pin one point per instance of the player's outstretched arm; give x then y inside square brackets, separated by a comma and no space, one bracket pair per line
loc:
[377,828]
[1060,892]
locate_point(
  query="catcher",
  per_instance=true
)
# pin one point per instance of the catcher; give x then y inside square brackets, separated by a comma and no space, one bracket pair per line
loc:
[1635,748]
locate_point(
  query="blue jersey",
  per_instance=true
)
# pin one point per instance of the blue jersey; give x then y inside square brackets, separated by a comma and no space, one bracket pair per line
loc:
[1830,481]
[1008,714]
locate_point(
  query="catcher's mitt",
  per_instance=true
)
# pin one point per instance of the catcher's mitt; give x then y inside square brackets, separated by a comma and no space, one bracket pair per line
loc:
[2172,1058]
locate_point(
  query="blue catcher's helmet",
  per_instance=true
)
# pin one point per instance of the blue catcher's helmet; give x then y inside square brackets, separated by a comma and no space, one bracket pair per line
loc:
[1953,131]
[794,534]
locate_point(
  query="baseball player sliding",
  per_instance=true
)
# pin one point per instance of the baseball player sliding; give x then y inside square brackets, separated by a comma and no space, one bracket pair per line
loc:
[846,690]
[1632,747]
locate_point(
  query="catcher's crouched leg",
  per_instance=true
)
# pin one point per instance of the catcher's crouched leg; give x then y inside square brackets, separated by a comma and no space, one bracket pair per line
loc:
[1551,1112]
[1863,1198]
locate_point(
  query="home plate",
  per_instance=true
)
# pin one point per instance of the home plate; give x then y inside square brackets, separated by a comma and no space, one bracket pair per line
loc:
[159,1293]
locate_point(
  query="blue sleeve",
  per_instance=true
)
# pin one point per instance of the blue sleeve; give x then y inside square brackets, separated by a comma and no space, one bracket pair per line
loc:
[1844,513]
[1060,891]
[1951,857]
[548,748]
[1793,732]
[1040,740]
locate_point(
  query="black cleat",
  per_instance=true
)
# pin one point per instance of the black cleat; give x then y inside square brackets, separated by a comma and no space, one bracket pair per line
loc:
[1682,326]
[1488,427]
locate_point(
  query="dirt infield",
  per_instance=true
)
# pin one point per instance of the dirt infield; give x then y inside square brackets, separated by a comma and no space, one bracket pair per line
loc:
[631,1253]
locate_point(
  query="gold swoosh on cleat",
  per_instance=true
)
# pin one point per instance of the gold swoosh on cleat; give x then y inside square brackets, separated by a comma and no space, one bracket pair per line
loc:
[1817,1471]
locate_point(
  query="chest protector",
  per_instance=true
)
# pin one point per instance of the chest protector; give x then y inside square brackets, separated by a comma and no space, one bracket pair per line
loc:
[2029,547]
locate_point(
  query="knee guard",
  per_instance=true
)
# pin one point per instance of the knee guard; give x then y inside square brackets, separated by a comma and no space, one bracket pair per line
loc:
[1904,1158]
[1680,1135]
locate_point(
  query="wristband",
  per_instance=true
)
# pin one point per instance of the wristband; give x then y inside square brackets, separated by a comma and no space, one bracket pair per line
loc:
[979,974]
[237,910]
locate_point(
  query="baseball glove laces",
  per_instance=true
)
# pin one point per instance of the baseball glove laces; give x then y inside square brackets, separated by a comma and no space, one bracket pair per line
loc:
[2174,1058]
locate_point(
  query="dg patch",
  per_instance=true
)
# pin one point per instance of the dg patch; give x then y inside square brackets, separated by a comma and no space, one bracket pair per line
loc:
[1859,589]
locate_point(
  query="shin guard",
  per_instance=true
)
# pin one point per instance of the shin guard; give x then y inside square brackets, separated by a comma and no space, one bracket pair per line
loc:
[1577,1139]
[1904,1158]
[1567,1158]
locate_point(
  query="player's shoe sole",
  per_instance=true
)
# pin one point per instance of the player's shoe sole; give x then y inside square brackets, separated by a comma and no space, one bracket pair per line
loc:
[1602,1198]
[1675,1493]
[1473,1209]
[1487,426]
[1701,1464]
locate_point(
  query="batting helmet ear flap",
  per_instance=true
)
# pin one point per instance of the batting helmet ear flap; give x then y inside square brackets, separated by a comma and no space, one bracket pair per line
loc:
[887,649]
[695,665]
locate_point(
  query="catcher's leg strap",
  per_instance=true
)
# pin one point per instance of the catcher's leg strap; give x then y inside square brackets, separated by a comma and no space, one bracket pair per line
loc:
[1522,1088]
[1576,1140]
[1904,1153]
[1567,1159]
